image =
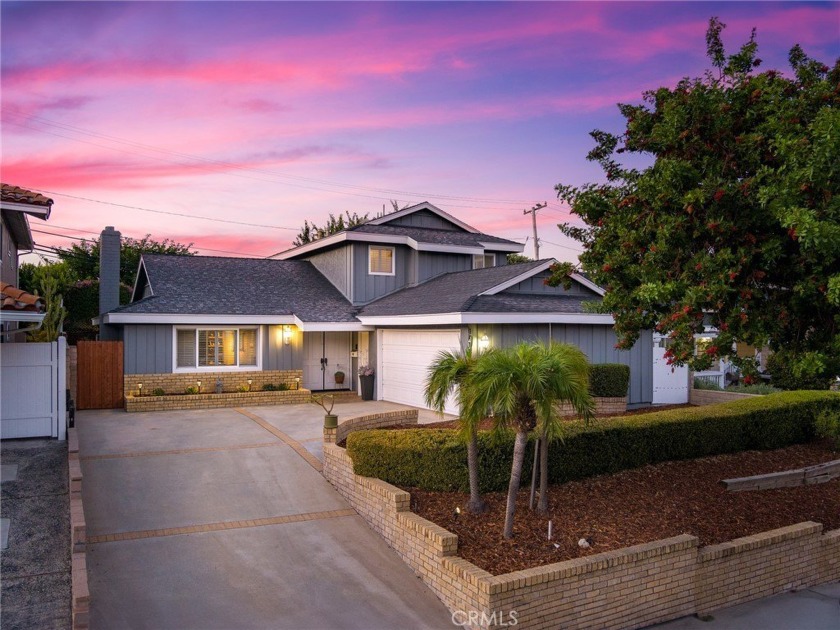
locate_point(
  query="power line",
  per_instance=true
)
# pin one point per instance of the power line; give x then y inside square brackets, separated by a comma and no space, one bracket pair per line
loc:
[574,249]
[204,249]
[238,167]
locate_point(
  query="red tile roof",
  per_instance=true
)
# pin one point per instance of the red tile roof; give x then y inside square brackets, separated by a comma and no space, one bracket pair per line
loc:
[16,194]
[13,299]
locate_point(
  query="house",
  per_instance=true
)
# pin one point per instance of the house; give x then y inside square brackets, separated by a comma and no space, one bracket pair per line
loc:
[32,374]
[19,311]
[390,293]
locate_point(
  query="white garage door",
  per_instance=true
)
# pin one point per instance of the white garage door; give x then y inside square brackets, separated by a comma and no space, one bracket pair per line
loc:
[404,361]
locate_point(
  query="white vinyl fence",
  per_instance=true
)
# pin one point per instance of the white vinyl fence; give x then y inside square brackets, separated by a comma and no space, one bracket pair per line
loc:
[32,390]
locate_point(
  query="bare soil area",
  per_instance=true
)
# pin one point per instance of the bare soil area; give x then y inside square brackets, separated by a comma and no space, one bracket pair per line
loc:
[638,506]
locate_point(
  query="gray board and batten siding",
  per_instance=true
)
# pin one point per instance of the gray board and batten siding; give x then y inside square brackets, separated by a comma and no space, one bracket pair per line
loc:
[425,219]
[596,341]
[148,349]
[368,287]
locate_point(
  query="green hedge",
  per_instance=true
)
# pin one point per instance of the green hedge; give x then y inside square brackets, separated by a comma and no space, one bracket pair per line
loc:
[434,458]
[609,379]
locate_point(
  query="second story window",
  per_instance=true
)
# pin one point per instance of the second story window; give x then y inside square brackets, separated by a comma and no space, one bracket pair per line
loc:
[480,261]
[380,261]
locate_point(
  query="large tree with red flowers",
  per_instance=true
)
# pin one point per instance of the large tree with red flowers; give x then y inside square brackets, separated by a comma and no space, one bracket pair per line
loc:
[737,221]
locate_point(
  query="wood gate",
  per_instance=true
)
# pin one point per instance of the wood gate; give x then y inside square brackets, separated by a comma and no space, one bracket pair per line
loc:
[100,375]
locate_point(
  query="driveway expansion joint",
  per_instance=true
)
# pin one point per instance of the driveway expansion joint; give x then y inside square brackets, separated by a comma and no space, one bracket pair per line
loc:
[177,451]
[221,526]
[297,446]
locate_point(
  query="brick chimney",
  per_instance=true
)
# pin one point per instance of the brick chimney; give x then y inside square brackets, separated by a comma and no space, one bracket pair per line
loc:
[109,278]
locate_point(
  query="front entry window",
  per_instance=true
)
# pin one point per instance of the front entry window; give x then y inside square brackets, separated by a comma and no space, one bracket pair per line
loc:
[216,347]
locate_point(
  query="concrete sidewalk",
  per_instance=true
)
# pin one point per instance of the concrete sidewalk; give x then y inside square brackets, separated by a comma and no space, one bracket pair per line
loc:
[815,608]
[206,519]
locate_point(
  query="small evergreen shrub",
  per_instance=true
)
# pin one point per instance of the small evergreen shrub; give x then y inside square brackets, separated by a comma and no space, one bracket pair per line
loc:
[283,387]
[761,389]
[158,391]
[191,390]
[269,387]
[609,379]
[828,427]
[435,459]
[780,367]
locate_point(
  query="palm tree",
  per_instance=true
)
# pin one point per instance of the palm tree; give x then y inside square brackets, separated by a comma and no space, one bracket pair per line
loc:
[522,385]
[447,375]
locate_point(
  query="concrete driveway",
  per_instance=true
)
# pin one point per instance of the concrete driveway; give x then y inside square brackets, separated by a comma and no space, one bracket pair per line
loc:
[221,519]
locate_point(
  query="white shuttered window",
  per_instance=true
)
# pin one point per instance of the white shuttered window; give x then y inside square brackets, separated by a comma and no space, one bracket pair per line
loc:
[216,347]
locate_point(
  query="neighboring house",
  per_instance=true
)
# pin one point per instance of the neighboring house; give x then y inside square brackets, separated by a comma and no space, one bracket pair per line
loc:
[391,293]
[19,310]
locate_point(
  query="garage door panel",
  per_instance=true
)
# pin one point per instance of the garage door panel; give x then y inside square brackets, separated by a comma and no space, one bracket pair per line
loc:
[406,357]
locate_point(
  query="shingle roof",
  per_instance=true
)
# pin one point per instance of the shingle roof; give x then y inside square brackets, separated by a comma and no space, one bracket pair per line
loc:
[524,303]
[449,293]
[16,194]
[14,299]
[429,235]
[214,285]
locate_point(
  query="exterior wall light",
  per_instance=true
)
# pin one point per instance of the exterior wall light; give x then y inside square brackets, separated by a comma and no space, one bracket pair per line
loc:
[287,334]
[483,342]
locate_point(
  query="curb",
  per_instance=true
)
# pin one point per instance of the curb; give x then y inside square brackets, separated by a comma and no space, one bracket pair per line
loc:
[78,537]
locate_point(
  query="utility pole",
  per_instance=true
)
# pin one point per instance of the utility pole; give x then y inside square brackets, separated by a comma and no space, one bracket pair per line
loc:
[533,212]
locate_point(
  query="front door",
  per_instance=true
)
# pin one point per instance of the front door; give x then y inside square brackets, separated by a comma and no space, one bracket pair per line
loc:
[326,353]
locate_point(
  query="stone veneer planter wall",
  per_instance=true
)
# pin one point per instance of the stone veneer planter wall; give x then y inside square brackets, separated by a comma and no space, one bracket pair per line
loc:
[176,383]
[212,401]
[625,588]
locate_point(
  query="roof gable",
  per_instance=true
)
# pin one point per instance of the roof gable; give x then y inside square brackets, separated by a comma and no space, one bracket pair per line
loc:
[423,215]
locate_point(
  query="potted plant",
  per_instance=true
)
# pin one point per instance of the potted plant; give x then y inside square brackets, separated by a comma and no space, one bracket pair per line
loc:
[339,378]
[330,419]
[366,376]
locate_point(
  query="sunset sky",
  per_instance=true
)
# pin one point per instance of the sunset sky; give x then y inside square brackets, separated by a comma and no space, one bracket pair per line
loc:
[260,115]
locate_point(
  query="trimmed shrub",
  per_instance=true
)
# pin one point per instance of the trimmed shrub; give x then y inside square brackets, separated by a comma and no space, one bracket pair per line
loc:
[269,387]
[436,459]
[158,391]
[609,379]
[761,389]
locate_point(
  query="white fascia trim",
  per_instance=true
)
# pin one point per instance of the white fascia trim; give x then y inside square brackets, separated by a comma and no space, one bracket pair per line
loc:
[516,280]
[448,319]
[453,249]
[587,283]
[387,218]
[313,246]
[513,248]
[36,211]
[22,316]
[196,319]
[331,326]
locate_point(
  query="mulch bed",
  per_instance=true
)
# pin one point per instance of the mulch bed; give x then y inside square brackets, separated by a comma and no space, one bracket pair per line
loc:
[638,506]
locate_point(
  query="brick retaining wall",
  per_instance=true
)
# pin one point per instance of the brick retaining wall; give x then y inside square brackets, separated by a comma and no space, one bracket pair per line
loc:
[373,421]
[214,401]
[603,406]
[625,588]
[702,397]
